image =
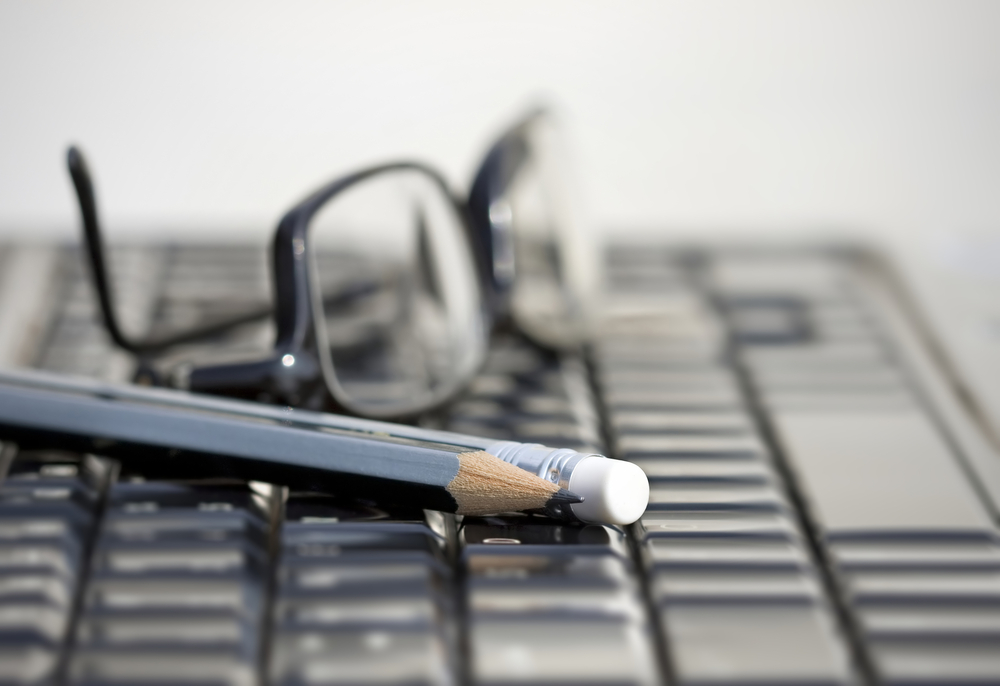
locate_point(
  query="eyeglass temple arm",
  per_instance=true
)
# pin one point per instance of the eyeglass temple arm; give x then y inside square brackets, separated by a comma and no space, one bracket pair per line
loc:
[94,243]
[95,247]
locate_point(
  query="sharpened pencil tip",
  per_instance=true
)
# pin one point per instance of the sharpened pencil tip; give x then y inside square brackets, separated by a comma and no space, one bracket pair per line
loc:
[564,496]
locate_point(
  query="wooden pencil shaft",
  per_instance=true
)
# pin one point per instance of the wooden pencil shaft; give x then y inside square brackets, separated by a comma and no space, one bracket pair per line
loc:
[484,482]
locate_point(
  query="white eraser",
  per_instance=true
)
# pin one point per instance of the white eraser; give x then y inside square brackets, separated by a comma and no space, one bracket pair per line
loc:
[614,491]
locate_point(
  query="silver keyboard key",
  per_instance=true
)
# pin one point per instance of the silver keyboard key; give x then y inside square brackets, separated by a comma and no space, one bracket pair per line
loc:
[708,472]
[720,524]
[879,473]
[952,663]
[375,656]
[556,652]
[632,446]
[726,496]
[640,421]
[755,644]
[736,586]
[717,553]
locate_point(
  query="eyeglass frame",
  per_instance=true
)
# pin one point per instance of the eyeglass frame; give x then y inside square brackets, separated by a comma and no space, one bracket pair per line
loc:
[294,372]
[295,363]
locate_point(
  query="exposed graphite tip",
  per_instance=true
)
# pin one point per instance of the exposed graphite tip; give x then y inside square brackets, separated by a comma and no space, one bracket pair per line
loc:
[564,496]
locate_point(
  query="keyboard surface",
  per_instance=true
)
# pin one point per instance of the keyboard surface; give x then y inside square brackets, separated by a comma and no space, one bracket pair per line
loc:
[819,513]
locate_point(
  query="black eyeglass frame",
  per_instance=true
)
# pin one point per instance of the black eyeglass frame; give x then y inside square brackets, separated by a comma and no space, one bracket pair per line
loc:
[294,373]
[493,238]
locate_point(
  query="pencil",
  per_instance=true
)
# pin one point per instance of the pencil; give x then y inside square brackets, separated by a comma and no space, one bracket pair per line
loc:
[167,434]
[612,491]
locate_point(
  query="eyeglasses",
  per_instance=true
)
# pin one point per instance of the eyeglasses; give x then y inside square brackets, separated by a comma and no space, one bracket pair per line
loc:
[533,237]
[386,286]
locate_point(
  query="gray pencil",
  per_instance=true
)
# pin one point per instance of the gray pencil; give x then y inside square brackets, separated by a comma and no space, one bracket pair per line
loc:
[169,433]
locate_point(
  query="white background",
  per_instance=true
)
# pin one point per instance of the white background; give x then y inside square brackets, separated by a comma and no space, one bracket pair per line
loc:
[871,117]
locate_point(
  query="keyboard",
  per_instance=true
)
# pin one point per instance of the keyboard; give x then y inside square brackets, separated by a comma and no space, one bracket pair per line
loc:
[823,506]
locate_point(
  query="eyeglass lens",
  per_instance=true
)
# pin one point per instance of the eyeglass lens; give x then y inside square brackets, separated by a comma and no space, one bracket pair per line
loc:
[556,268]
[395,294]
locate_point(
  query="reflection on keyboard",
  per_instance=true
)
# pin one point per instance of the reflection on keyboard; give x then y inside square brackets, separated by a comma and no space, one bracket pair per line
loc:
[811,520]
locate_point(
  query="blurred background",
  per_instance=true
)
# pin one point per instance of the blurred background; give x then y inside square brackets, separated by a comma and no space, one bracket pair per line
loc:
[878,119]
[823,451]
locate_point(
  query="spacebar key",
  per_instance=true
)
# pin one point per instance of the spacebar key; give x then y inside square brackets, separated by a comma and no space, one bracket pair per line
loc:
[879,474]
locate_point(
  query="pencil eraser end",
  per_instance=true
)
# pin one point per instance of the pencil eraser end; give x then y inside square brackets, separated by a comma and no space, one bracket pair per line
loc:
[614,491]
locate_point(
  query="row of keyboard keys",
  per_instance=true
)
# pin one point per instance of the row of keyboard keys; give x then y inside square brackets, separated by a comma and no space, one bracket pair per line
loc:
[916,554]
[553,603]
[546,602]
[362,595]
[48,507]
[177,585]
[738,594]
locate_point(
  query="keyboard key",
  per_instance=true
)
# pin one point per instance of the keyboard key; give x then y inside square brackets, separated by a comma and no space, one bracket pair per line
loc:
[561,652]
[860,381]
[671,445]
[655,421]
[715,497]
[37,588]
[916,555]
[666,399]
[566,600]
[775,320]
[869,474]
[754,644]
[719,553]
[711,380]
[125,632]
[382,609]
[374,656]
[932,620]
[526,564]
[718,524]
[735,586]
[26,664]
[165,594]
[871,587]
[499,535]
[923,662]
[111,666]
[821,401]
[32,623]
[841,355]
[707,472]
[805,273]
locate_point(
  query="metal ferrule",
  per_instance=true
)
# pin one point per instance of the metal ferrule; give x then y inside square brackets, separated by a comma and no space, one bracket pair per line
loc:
[552,464]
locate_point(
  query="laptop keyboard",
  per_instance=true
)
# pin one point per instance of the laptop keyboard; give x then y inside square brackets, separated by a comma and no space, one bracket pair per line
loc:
[811,519]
